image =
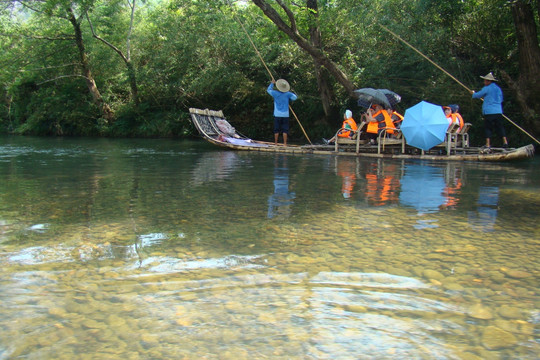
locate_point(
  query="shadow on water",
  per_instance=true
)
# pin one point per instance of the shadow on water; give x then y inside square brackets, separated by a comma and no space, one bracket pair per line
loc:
[163,249]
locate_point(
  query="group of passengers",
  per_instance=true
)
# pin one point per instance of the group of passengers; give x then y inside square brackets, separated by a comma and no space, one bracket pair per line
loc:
[379,119]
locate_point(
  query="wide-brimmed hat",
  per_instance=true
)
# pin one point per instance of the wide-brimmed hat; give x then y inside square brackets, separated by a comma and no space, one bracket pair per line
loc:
[489,77]
[282,85]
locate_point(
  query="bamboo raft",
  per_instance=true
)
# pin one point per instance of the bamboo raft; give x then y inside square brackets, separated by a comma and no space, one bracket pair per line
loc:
[214,128]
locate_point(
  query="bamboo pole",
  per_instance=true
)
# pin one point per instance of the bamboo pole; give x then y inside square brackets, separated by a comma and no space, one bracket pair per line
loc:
[269,72]
[451,76]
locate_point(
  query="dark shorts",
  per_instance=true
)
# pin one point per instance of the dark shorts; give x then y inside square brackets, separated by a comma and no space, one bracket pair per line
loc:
[494,124]
[281,125]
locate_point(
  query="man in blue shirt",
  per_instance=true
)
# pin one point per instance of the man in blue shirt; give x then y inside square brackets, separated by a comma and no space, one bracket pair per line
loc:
[282,97]
[492,109]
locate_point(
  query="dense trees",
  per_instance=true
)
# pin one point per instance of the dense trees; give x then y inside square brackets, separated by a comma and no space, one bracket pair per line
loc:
[127,68]
[527,85]
[313,46]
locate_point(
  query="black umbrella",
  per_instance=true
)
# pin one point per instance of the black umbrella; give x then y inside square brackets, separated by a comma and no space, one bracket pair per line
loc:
[392,97]
[368,96]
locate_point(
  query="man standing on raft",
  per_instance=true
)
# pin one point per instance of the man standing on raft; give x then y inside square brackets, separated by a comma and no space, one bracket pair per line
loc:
[282,97]
[492,109]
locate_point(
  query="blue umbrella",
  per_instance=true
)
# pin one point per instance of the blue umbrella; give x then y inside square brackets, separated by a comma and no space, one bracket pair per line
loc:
[424,125]
[422,188]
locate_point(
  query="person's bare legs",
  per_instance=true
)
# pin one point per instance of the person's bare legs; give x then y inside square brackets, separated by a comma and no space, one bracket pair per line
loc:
[284,139]
[488,142]
[276,136]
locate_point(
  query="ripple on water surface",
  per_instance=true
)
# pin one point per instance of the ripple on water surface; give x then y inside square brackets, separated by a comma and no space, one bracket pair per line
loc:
[161,250]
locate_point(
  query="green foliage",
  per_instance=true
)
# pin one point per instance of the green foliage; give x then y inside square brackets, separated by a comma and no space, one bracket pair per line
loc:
[145,121]
[53,109]
[189,53]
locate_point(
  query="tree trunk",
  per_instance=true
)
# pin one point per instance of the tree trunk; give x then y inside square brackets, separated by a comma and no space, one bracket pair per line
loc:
[527,87]
[132,75]
[326,92]
[106,111]
[131,69]
[133,82]
[316,53]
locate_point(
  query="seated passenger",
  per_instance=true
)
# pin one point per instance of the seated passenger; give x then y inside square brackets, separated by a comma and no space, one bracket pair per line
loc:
[349,124]
[448,114]
[397,119]
[456,116]
[378,119]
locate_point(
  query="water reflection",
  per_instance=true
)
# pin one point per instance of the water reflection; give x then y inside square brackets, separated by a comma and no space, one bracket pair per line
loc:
[347,170]
[40,228]
[427,188]
[151,239]
[454,184]
[382,183]
[282,199]
[215,166]
[484,217]
[59,253]
[422,188]
[368,280]
[160,250]
[170,265]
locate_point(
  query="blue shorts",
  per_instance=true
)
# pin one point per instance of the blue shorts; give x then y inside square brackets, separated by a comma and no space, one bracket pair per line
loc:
[281,125]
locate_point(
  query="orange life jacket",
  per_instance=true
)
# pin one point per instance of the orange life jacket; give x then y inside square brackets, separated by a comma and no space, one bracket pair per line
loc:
[397,119]
[450,120]
[374,127]
[456,118]
[352,125]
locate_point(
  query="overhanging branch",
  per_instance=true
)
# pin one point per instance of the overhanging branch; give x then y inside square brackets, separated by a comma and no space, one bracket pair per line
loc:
[117,50]
[62,77]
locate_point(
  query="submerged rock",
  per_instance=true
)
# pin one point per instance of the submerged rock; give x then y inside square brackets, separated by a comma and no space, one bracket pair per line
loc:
[355,308]
[452,286]
[495,338]
[518,274]
[510,312]
[478,311]
[93,324]
[433,274]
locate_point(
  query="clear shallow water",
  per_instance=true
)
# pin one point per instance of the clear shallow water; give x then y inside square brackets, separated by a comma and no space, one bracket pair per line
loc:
[139,249]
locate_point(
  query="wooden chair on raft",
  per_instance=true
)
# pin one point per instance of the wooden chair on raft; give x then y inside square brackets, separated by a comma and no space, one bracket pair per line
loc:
[390,137]
[449,142]
[350,141]
[455,138]
[463,136]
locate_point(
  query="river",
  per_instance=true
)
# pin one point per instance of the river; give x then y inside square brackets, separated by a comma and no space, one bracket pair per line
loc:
[166,249]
